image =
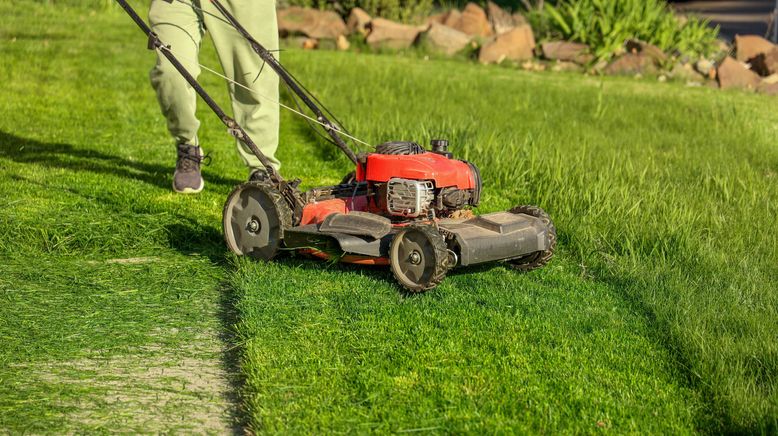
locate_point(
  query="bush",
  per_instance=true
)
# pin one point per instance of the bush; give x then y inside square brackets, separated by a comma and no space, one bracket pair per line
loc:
[605,24]
[399,10]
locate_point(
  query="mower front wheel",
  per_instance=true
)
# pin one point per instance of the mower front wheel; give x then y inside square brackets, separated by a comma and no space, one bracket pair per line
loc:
[254,219]
[537,259]
[419,258]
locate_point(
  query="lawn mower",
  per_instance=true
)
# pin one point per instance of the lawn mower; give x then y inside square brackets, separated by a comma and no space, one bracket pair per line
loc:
[404,206]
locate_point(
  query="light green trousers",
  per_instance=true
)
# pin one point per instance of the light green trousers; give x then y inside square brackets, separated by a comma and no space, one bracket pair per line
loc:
[182,27]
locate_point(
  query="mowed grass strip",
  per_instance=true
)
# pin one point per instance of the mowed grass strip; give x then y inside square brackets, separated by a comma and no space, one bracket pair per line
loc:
[113,312]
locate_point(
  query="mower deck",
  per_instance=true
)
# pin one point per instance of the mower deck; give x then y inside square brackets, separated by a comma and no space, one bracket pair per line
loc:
[486,238]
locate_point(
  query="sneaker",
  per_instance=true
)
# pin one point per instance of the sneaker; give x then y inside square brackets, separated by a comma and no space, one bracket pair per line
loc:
[187,178]
[259,175]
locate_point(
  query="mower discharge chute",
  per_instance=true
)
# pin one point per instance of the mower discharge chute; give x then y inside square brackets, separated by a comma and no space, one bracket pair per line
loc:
[403,206]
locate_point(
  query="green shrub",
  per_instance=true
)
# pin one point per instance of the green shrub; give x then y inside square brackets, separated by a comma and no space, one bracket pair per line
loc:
[605,24]
[400,10]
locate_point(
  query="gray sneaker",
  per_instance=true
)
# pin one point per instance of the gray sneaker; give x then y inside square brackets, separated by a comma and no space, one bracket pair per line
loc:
[259,175]
[187,178]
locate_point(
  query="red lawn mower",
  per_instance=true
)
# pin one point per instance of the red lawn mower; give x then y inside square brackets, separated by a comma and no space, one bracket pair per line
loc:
[403,206]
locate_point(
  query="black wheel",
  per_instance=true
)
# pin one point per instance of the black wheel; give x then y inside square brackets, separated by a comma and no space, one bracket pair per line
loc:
[255,217]
[537,259]
[419,258]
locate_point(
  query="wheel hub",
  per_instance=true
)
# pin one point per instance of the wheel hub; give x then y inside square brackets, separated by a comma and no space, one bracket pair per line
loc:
[415,258]
[254,226]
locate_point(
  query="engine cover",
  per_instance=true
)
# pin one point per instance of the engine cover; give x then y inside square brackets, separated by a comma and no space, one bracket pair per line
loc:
[442,171]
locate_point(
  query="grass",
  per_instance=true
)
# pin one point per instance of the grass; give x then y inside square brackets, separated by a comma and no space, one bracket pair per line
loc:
[657,316]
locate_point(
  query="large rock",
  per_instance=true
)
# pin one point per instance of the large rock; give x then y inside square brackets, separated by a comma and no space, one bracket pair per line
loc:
[452,18]
[515,45]
[500,20]
[644,48]
[733,74]
[767,88]
[566,52]
[473,21]
[750,46]
[437,18]
[357,21]
[386,33]
[765,64]
[686,73]
[445,39]
[312,23]
[519,19]
[631,63]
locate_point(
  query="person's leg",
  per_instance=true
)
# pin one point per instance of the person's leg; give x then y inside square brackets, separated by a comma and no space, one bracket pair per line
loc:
[179,26]
[257,114]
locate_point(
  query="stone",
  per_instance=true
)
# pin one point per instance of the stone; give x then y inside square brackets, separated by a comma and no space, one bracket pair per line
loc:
[437,18]
[519,19]
[452,18]
[685,73]
[386,33]
[473,21]
[329,25]
[444,39]
[767,88]
[342,43]
[631,63]
[500,20]
[706,68]
[765,64]
[749,46]
[294,20]
[515,45]
[310,43]
[357,21]
[773,78]
[733,74]
[312,23]
[565,66]
[650,50]
[531,65]
[566,52]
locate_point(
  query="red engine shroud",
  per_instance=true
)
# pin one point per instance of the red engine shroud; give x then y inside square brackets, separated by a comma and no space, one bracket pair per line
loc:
[443,171]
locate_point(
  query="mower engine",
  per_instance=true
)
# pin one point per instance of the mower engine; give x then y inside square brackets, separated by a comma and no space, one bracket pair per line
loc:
[409,182]
[403,206]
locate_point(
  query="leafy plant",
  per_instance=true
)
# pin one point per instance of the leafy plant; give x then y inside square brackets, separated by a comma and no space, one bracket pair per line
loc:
[605,24]
[400,10]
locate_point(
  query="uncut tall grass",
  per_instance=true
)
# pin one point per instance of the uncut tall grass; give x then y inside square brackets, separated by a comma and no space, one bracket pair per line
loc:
[671,196]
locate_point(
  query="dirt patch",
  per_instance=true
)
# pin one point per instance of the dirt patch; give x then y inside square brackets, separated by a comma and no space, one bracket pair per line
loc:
[153,391]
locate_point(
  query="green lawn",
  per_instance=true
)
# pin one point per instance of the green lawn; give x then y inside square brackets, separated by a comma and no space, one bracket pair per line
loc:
[120,308]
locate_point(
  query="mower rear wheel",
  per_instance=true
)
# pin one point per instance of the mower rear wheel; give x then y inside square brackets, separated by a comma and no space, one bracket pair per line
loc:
[537,259]
[419,258]
[254,219]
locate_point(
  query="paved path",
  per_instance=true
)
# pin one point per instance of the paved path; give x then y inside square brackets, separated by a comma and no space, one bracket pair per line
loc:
[734,17]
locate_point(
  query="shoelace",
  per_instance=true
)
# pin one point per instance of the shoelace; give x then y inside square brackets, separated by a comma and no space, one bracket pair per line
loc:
[189,162]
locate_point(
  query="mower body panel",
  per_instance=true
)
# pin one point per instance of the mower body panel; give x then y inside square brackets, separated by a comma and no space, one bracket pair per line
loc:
[443,171]
[495,236]
[311,237]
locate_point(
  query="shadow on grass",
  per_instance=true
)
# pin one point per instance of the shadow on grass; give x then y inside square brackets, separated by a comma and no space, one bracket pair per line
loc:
[714,418]
[69,157]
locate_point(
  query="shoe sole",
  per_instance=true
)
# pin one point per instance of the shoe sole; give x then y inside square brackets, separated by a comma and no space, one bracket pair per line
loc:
[189,190]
